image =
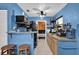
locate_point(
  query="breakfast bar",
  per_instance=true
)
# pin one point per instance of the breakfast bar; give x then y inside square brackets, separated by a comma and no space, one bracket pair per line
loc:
[19,38]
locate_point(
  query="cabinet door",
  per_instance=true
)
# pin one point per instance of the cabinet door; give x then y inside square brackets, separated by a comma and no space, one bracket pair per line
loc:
[3,28]
[54,46]
[52,42]
[67,51]
[67,48]
[49,40]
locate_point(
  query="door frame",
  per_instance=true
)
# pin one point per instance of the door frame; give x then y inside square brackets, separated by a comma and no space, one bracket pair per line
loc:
[45,26]
[5,32]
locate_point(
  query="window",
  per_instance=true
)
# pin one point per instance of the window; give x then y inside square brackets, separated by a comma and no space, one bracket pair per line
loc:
[60,20]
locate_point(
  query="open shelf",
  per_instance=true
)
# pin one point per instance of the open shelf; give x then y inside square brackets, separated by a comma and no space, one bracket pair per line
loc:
[21,22]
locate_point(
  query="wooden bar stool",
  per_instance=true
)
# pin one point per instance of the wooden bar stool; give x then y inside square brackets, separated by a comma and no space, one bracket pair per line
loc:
[24,49]
[8,50]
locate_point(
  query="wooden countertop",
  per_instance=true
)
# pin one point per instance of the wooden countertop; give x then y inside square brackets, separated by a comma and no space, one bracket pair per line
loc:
[60,38]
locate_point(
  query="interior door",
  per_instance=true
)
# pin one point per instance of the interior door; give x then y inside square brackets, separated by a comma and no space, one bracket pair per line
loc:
[3,28]
[41,25]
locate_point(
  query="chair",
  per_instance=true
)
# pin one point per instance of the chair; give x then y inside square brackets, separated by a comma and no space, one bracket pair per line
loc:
[8,49]
[24,49]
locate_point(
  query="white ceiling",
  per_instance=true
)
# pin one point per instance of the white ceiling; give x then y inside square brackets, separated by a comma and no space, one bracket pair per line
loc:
[53,8]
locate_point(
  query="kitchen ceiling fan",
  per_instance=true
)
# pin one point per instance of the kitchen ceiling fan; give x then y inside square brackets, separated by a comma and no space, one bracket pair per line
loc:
[40,11]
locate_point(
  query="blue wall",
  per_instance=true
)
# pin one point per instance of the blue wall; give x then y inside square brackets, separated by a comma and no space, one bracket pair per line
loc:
[70,14]
[13,10]
[38,18]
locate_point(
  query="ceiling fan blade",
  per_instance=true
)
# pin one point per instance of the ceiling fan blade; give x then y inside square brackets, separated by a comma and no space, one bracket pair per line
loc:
[38,13]
[46,8]
[36,9]
[47,11]
[33,11]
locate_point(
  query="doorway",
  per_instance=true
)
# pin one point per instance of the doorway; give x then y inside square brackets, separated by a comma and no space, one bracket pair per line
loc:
[3,28]
[41,29]
[42,47]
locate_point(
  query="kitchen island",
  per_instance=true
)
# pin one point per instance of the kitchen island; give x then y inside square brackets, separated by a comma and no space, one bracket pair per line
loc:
[19,38]
[61,45]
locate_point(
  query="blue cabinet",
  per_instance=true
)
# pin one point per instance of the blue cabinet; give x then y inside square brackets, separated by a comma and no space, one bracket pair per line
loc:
[67,48]
[62,45]
[77,37]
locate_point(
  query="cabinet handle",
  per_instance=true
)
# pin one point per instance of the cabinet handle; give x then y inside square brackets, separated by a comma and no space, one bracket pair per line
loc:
[68,48]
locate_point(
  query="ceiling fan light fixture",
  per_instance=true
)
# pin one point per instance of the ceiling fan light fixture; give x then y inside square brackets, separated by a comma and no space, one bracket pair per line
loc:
[42,16]
[22,13]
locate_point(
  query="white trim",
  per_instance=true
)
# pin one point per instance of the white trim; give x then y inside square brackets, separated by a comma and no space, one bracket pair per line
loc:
[3,28]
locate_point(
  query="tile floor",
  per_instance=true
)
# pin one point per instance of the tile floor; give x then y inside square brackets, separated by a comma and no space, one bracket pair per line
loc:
[42,48]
